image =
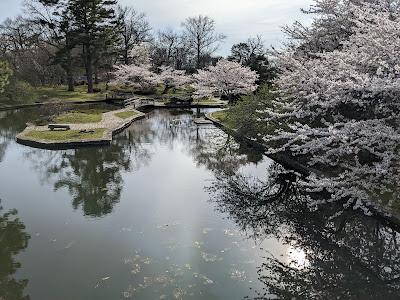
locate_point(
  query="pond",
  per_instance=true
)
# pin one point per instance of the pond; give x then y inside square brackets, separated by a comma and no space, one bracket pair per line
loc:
[175,211]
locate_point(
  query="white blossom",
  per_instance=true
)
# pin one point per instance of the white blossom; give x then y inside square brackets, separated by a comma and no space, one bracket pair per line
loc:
[136,76]
[172,78]
[226,78]
[341,104]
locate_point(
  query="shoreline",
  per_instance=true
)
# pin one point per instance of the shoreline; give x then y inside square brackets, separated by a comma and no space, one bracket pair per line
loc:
[110,123]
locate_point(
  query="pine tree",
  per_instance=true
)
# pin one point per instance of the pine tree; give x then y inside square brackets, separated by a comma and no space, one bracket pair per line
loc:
[93,21]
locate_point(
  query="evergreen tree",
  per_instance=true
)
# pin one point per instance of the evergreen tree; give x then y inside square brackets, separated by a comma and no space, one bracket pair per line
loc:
[93,21]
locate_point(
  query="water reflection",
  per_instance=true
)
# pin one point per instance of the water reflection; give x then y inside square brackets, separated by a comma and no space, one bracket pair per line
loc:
[333,254]
[11,124]
[168,242]
[93,176]
[209,146]
[13,240]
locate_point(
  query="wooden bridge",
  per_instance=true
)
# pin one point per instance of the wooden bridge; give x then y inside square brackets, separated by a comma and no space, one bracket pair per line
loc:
[137,103]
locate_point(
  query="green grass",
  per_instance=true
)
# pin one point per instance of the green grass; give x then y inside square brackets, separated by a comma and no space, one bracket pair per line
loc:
[220,115]
[23,93]
[207,101]
[65,135]
[126,114]
[60,93]
[77,117]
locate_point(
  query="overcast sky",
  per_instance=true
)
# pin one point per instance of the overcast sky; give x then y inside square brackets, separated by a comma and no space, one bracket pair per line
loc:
[237,19]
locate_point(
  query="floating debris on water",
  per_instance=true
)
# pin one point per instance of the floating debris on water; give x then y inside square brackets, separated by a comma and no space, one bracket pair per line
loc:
[163,280]
[206,280]
[238,275]
[137,262]
[101,281]
[135,268]
[130,291]
[197,244]
[207,257]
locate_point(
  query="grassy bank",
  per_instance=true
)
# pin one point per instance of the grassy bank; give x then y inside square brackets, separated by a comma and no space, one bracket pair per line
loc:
[126,114]
[74,135]
[60,93]
[220,115]
[83,116]
[23,93]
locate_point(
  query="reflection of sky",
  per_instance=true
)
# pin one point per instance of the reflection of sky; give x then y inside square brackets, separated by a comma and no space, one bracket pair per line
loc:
[238,19]
[164,216]
[297,258]
[257,171]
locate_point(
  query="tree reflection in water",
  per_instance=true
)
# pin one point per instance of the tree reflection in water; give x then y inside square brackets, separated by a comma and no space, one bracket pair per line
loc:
[13,240]
[342,253]
[336,253]
[208,145]
[93,176]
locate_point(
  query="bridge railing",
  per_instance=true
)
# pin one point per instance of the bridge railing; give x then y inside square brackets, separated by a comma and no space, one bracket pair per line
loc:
[137,103]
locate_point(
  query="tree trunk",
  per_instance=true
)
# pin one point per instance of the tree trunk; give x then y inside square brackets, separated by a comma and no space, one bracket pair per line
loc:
[70,80]
[198,58]
[96,75]
[89,70]
[68,65]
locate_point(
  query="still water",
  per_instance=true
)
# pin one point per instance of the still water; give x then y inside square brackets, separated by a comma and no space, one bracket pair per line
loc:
[172,211]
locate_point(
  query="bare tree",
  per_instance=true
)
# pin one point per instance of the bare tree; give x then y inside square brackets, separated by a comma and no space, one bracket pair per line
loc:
[245,52]
[53,21]
[135,29]
[201,36]
[22,47]
[168,40]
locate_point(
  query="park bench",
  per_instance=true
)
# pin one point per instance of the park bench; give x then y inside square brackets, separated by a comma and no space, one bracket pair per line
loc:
[59,127]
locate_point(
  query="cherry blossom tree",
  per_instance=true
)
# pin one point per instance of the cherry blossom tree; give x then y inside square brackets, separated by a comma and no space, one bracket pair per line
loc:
[135,76]
[227,78]
[143,78]
[172,79]
[341,107]
[140,54]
